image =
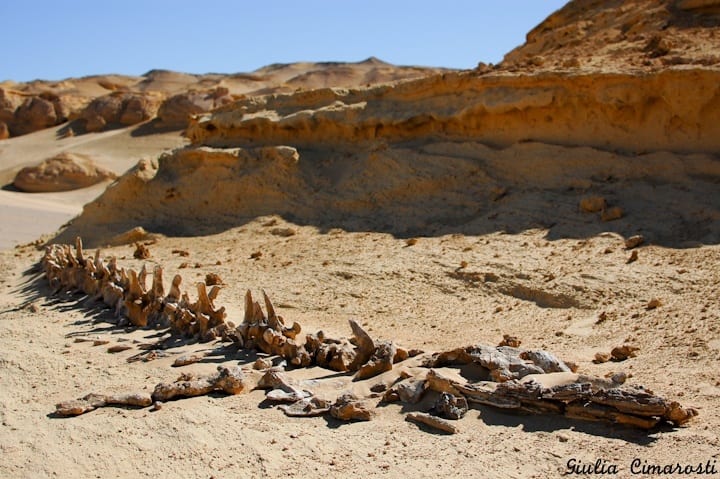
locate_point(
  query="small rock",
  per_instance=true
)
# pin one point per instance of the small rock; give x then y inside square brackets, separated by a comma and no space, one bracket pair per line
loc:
[262,363]
[411,242]
[141,251]
[409,391]
[601,358]
[284,232]
[592,204]
[67,133]
[611,214]
[511,341]
[157,405]
[498,193]
[563,437]
[256,255]
[34,308]
[349,408]
[292,396]
[449,406]
[653,304]
[633,257]
[308,407]
[118,348]
[212,279]
[634,241]
[573,366]
[621,353]
[619,378]
[433,421]
[100,342]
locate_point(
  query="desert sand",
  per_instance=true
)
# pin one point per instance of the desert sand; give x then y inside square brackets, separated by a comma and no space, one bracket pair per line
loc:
[438,211]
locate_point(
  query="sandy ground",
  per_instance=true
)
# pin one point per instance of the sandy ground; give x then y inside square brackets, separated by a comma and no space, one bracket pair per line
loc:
[416,294]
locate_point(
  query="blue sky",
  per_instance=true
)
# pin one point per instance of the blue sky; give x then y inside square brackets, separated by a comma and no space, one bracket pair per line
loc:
[55,40]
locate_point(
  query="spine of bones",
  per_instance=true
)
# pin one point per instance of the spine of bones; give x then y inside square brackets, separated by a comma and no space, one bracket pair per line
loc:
[512,379]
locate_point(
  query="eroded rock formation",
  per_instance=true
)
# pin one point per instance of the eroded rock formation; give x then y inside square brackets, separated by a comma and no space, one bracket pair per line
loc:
[672,109]
[120,108]
[637,34]
[176,111]
[116,100]
[63,172]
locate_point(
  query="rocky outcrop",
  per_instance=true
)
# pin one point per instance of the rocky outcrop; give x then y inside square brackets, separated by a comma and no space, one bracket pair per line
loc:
[23,113]
[9,103]
[177,110]
[64,172]
[34,114]
[632,35]
[405,190]
[120,109]
[675,110]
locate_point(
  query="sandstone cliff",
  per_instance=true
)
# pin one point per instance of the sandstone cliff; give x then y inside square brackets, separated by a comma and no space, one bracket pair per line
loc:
[675,109]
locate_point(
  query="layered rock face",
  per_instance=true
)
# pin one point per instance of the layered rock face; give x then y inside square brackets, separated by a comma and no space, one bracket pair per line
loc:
[674,110]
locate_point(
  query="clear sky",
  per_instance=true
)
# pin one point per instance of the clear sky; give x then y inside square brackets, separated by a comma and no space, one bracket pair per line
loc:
[53,39]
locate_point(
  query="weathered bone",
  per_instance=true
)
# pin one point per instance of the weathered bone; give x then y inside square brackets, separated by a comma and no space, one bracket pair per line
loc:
[229,380]
[79,251]
[514,379]
[93,401]
[174,295]
[433,421]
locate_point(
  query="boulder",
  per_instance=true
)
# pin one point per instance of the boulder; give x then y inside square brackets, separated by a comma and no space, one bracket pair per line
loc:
[34,114]
[176,110]
[9,102]
[119,108]
[64,172]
